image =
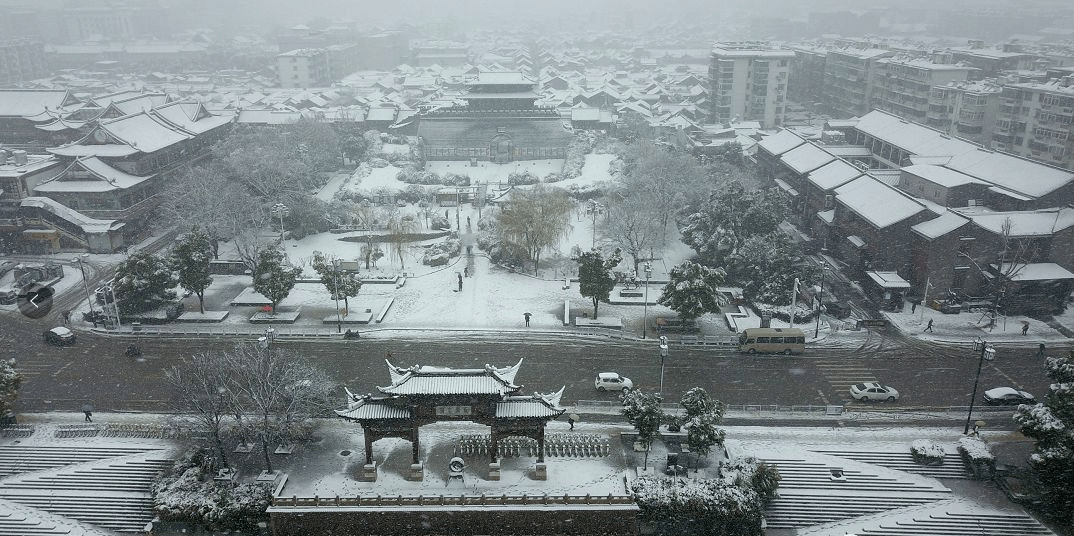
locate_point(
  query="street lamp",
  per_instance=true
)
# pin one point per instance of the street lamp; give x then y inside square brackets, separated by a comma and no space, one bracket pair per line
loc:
[988,353]
[645,313]
[85,283]
[820,302]
[280,210]
[594,209]
[335,294]
[663,356]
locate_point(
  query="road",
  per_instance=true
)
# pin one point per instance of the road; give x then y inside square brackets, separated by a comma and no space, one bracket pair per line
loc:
[96,371]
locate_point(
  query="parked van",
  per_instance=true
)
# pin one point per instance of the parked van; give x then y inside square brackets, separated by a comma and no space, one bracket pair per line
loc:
[772,341]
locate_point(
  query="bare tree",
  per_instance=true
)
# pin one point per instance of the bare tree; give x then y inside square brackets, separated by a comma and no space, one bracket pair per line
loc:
[274,393]
[535,219]
[200,383]
[401,231]
[665,178]
[633,224]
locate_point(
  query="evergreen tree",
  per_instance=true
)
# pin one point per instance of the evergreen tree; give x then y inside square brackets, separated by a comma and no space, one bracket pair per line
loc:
[702,433]
[595,279]
[643,412]
[274,277]
[1051,423]
[190,259]
[10,383]
[341,285]
[144,282]
[692,290]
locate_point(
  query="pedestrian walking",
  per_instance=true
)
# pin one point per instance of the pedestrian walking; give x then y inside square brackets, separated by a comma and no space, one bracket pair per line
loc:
[570,420]
[460,282]
[527,315]
[913,307]
[1040,350]
[467,222]
[89,415]
[1025,328]
[66,317]
[928,328]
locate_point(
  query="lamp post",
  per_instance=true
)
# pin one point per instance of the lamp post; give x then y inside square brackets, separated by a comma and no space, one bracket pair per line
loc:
[645,309]
[85,283]
[594,209]
[987,353]
[663,356]
[820,302]
[335,294]
[280,210]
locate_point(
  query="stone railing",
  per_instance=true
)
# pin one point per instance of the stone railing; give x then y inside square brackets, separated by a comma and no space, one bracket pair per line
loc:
[450,500]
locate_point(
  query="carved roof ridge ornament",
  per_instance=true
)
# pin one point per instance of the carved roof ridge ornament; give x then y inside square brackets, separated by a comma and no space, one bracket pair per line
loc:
[550,399]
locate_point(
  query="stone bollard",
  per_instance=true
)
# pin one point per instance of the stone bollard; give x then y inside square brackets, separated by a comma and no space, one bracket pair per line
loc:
[540,472]
[417,472]
[369,472]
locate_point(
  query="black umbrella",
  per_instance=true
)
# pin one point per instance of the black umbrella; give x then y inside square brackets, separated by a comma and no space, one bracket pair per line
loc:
[87,407]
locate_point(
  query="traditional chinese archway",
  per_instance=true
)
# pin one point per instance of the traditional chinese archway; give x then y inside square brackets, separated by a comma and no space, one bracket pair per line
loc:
[422,395]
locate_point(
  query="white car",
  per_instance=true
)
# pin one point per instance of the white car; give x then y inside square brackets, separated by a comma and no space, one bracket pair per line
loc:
[612,381]
[873,391]
[1008,396]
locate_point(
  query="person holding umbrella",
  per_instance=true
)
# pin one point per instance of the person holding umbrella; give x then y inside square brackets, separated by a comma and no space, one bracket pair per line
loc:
[88,410]
[571,419]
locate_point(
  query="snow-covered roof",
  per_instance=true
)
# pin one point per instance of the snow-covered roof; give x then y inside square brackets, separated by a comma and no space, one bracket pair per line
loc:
[937,227]
[1010,172]
[1032,223]
[89,225]
[806,158]
[102,178]
[940,175]
[780,142]
[1035,271]
[30,103]
[426,380]
[144,132]
[877,203]
[833,175]
[888,279]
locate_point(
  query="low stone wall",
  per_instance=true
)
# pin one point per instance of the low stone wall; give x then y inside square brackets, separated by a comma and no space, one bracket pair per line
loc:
[506,520]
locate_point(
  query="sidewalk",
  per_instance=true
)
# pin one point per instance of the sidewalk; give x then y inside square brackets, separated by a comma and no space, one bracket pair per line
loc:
[966,327]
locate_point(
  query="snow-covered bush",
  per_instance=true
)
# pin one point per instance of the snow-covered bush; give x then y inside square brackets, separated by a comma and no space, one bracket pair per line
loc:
[188,493]
[580,146]
[454,179]
[977,450]
[678,506]
[378,162]
[927,452]
[515,178]
[441,253]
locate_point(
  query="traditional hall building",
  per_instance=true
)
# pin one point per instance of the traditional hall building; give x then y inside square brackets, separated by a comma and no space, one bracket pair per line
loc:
[499,123]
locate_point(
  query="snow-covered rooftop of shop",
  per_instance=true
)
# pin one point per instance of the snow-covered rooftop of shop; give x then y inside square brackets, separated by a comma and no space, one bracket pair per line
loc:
[876,202]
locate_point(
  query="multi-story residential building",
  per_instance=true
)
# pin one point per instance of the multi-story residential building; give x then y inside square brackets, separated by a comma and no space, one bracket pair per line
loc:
[806,84]
[903,85]
[749,83]
[848,79]
[303,68]
[992,61]
[965,109]
[20,60]
[1036,120]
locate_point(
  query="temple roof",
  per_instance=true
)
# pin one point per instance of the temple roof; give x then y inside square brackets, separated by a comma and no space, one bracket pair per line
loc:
[536,405]
[426,380]
[365,407]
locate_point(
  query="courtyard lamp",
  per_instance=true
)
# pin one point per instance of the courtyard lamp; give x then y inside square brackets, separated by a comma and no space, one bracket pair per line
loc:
[85,282]
[335,294]
[820,303]
[987,353]
[663,356]
[645,308]
[280,211]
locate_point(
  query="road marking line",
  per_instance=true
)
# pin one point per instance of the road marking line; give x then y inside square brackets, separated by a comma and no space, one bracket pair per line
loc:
[59,370]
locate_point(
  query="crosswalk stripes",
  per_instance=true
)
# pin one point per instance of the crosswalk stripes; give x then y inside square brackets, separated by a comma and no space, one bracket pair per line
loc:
[842,374]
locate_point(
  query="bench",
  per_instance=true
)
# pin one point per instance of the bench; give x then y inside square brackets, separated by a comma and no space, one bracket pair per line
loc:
[669,325]
[631,293]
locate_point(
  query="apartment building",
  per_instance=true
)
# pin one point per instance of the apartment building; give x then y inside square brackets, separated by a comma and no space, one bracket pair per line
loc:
[749,83]
[304,68]
[1035,121]
[903,84]
[20,60]
[806,84]
[848,79]
[965,109]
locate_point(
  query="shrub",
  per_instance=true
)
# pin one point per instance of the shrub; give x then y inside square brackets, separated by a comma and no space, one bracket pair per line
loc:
[189,494]
[716,506]
[525,177]
[976,450]
[440,253]
[927,452]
